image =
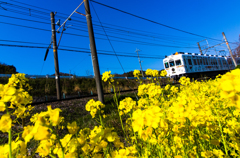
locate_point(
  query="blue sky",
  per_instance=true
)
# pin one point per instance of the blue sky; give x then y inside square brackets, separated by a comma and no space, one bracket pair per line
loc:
[126,33]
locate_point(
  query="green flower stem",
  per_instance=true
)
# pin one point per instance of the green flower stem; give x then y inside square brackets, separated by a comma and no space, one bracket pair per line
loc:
[52,156]
[9,135]
[55,132]
[116,101]
[10,142]
[220,125]
[133,130]
[100,117]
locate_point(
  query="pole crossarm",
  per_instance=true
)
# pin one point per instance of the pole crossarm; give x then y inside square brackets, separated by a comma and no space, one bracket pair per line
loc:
[213,46]
[70,15]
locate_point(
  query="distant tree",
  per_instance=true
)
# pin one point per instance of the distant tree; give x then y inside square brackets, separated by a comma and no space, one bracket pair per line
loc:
[7,69]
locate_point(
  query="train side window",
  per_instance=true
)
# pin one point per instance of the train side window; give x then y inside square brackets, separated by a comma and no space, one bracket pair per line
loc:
[195,61]
[224,62]
[238,62]
[189,61]
[200,61]
[209,59]
[204,61]
[166,65]
[171,63]
[178,62]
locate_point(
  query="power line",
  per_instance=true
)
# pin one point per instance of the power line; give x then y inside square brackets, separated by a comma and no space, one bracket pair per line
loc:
[108,40]
[71,50]
[153,21]
[132,41]
[70,27]
[25,26]
[69,47]
[41,12]
[25,19]
[94,24]
[104,23]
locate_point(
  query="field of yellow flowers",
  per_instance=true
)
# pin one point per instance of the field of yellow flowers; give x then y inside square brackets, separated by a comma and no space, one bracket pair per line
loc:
[197,119]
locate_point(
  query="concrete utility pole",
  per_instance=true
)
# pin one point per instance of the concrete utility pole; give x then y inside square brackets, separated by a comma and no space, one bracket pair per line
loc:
[199,48]
[57,77]
[137,50]
[230,51]
[94,52]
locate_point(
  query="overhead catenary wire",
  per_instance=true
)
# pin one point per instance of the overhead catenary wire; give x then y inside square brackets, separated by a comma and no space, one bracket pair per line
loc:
[108,39]
[165,39]
[72,27]
[47,45]
[153,21]
[72,50]
[46,13]
[131,41]
[109,27]
[93,20]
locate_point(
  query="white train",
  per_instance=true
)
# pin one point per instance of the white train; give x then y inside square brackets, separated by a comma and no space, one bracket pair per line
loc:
[197,65]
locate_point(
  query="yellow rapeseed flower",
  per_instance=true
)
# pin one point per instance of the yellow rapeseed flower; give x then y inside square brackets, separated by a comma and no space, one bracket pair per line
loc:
[5,123]
[72,127]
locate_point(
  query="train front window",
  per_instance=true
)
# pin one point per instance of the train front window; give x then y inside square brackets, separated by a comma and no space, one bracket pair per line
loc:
[171,63]
[166,65]
[178,62]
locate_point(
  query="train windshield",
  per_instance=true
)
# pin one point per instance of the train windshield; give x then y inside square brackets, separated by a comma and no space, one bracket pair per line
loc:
[178,62]
[166,65]
[171,63]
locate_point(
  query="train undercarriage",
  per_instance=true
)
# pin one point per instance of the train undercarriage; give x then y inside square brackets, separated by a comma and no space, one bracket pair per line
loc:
[200,75]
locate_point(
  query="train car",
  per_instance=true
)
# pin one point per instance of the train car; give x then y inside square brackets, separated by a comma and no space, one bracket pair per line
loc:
[197,65]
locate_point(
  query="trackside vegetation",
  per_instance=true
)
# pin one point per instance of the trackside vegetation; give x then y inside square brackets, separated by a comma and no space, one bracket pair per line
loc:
[195,119]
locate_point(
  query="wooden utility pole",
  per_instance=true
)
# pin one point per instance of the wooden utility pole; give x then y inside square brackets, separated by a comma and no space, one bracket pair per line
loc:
[94,52]
[199,48]
[57,77]
[230,51]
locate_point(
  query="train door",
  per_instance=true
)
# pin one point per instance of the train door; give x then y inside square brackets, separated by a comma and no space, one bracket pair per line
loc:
[185,63]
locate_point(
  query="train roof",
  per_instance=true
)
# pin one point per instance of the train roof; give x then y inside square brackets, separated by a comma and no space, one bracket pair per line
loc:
[194,54]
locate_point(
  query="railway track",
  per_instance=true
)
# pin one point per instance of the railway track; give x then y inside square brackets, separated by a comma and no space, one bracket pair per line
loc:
[88,96]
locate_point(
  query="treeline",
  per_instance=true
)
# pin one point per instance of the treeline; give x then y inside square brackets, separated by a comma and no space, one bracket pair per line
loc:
[7,69]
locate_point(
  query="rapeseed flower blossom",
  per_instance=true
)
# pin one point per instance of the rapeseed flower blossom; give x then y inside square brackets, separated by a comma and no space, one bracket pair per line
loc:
[136,73]
[94,107]
[198,119]
[5,123]
[163,73]
[126,105]
[107,76]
